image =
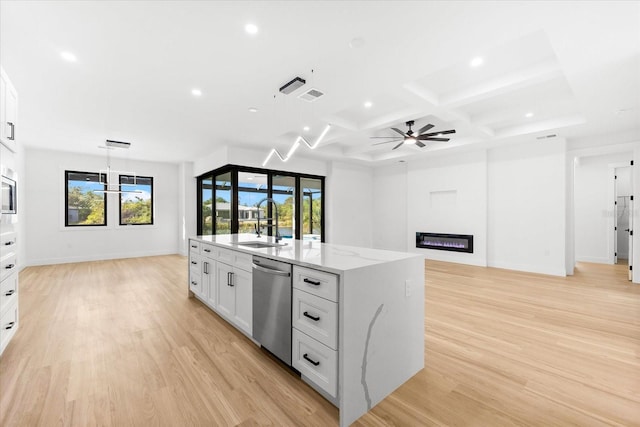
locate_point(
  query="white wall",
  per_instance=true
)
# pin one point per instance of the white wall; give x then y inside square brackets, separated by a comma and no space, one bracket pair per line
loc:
[230,155]
[349,211]
[526,207]
[593,195]
[187,219]
[48,241]
[448,194]
[390,207]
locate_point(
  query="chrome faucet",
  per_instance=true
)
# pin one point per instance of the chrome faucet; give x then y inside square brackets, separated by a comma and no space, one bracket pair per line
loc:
[257,226]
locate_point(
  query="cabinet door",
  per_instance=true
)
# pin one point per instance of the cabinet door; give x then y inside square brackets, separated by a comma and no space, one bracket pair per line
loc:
[244,300]
[226,291]
[3,107]
[209,281]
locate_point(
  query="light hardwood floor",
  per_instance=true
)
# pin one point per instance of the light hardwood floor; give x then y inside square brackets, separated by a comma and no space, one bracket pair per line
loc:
[119,343]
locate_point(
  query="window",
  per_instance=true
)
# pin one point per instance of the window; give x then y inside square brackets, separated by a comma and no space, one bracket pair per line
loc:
[223,204]
[136,200]
[85,199]
[311,208]
[236,190]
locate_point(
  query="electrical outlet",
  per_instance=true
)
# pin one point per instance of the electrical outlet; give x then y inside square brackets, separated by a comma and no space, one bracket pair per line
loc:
[407,288]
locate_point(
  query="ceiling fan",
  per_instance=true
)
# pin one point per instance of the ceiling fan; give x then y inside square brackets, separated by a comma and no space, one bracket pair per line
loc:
[410,137]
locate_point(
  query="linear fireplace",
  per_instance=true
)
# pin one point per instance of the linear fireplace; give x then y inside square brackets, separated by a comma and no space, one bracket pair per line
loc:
[445,242]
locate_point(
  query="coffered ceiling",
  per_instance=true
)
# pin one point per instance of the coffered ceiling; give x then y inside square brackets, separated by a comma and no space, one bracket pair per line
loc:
[570,69]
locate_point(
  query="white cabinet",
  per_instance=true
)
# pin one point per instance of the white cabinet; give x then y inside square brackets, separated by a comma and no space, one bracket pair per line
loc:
[209,269]
[235,296]
[222,279]
[8,112]
[315,327]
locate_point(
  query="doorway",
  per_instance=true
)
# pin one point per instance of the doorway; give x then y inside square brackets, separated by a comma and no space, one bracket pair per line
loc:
[623,208]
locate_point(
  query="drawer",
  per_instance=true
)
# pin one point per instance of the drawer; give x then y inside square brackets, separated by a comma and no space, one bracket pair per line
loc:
[316,317]
[195,283]
[227,256]
[315,361]
[7,243]
[8,291]
[194,246]
[194,263]
[243,261]
[208,250]
[8,325]
[8,265]
[316,282]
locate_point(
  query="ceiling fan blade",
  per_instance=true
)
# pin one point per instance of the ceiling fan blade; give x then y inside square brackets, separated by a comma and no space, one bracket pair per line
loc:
[398,145]
[386,142]
[398,130]
[435,139]
[444,132]
[420,144]
[425,128]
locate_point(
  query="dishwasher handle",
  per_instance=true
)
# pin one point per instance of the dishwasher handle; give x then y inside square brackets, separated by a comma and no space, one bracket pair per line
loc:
[271,270]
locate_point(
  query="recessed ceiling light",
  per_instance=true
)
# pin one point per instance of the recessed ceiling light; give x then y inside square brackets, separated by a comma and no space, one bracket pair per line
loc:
[306,128]
[251,29]
[528,115]
[253,110]
[476,62]
[368,104]
[356,43]
[196,92]
[68,56]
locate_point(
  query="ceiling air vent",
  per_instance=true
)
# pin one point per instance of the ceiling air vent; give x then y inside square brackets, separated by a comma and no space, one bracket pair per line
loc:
[311,95]
[553,135]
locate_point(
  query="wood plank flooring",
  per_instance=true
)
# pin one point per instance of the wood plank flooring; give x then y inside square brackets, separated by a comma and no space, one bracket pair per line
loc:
[119,343]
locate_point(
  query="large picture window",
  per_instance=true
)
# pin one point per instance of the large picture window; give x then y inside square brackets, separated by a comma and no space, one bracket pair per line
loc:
[227,199]
[136,200]
[85,199]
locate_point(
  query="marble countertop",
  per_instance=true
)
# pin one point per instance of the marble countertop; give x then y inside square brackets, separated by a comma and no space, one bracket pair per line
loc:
[310,253]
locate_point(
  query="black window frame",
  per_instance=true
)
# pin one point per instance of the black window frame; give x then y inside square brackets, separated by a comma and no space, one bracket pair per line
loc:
[66,198]
[234,169]
[120,200]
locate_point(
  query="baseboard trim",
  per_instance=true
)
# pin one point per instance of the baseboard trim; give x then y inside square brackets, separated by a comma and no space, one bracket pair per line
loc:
[102,257]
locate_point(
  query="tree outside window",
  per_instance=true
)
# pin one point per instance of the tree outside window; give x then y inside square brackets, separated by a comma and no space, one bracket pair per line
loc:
[85,200]
[136,200]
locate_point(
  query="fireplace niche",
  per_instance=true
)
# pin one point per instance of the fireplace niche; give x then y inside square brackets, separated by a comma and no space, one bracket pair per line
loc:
[445,242]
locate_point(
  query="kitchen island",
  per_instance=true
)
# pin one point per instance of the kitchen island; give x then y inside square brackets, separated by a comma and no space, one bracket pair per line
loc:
[371,336]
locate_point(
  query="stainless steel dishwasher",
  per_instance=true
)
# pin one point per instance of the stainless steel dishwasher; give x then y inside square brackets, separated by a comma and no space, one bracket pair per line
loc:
[272,306]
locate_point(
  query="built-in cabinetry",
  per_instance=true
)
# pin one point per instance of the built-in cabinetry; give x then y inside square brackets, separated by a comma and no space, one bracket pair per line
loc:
[9,239]
[8,111]
[222,279]
[315,327]
[357,314]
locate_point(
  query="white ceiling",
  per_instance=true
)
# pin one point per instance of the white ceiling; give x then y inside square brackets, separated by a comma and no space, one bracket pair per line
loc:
[573,64]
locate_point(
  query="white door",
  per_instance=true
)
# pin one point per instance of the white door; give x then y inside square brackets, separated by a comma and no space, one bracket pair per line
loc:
[243,317]
[226,291]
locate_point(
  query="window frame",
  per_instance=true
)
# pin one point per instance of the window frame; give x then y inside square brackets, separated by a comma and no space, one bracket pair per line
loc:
[120,200]
[66,199]
[234,169]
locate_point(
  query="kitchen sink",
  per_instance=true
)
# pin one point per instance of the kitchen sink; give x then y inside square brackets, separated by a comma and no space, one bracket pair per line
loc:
[260,245]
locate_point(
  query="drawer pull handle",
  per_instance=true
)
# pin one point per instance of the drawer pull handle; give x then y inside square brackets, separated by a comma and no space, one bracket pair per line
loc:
[9,243]
[311,282]
[313,362]
[194,263]
[194,246]
[13,131]
[207,250]
[10,266]
[314,318]
[11,292]
[194,283]
[10,325]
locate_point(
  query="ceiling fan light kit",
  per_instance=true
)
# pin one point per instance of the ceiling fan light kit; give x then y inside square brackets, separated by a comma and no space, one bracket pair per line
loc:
[410,138]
